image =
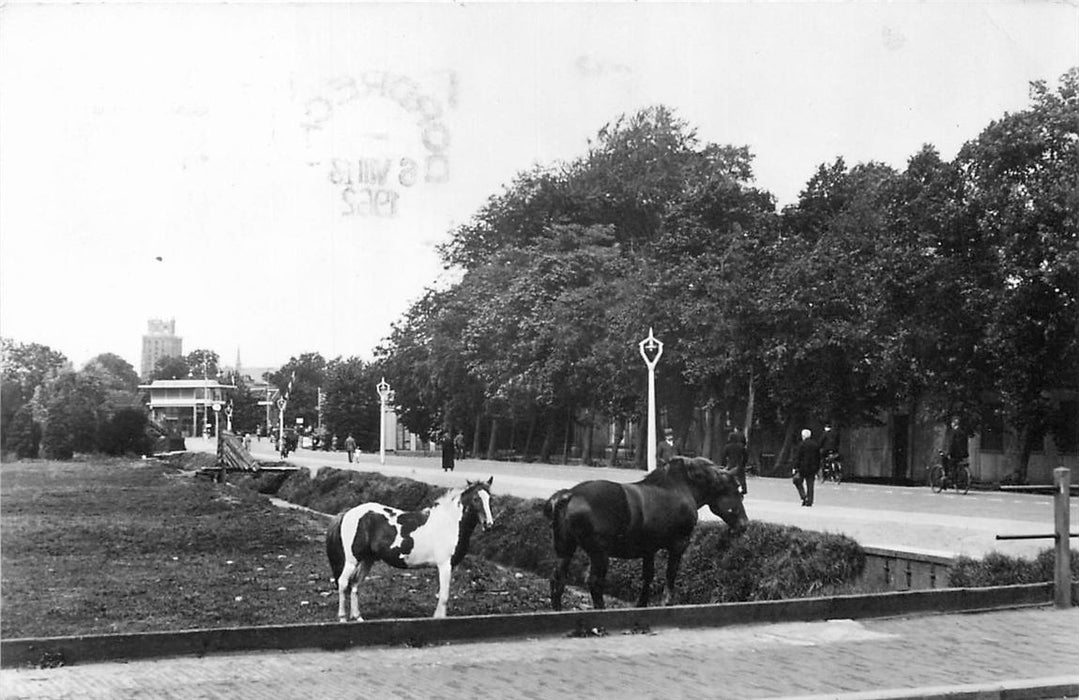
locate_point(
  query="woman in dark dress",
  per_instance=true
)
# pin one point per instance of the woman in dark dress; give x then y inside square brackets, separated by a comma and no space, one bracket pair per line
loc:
[447,451]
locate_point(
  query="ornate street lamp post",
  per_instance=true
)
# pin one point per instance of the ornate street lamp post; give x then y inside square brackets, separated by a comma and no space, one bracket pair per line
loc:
[651,344]
[384,395]
[217,420]
[282,402]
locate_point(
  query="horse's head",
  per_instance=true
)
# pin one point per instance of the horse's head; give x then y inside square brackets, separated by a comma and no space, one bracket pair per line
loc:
[718,489]
[727,502]
[476,501]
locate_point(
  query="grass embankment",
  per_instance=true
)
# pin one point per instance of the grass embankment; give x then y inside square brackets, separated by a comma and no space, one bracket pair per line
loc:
[768,562]
[126,545]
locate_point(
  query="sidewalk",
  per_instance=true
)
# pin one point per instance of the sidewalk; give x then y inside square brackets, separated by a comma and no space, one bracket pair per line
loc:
[901,657]
[891,517]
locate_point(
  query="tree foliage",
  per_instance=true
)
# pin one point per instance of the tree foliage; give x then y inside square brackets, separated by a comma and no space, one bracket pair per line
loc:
[306,374]
[23,368]
[171,367]
[946,283]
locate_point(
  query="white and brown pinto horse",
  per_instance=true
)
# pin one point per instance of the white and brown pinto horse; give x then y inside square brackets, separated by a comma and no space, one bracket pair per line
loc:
[437,536]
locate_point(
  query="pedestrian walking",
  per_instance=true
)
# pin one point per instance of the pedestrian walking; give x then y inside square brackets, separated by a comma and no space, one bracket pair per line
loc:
[447,451]
[734,457]
[247,441]
[806,465]
[459,445]
[350,446]
[665,450]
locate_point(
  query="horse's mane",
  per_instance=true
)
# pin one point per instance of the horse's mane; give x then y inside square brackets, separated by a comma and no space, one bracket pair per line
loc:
[678,469]
[695,471]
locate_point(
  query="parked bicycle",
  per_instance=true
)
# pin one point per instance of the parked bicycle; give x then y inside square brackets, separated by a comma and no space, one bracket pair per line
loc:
[947,474]
[831,468]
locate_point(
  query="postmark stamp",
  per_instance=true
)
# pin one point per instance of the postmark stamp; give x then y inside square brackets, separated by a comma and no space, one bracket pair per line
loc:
[380,134]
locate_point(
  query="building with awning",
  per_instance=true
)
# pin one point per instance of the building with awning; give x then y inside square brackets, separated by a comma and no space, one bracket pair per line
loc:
[190,407]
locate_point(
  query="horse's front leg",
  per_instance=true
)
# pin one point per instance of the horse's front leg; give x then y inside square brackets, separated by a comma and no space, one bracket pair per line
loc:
[648,572]
[558,581]
[674,561]
[444,571]
[597,578]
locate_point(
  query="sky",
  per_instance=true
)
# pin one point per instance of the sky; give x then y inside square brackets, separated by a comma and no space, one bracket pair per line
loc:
[277,177]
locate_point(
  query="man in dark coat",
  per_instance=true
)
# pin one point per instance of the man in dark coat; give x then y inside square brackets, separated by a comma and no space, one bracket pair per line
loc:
[447,451]
[806,465]
[734,457]
[665,450]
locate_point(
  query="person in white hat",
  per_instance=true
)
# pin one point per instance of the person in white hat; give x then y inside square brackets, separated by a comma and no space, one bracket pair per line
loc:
[806,464]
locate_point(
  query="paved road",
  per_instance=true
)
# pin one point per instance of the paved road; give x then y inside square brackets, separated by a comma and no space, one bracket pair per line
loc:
[753,661]
[908,518]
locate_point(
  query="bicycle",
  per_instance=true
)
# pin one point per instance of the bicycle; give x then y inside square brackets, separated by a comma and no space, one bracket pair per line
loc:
[831,468]
[945,474]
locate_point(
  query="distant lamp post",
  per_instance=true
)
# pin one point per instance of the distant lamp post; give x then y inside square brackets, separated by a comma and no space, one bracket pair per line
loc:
[281,404]
[651,345]
[385,393]
[217,420]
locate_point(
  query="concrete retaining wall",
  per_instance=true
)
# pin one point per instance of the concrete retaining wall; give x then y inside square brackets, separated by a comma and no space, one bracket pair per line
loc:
[899,570]
[420,632]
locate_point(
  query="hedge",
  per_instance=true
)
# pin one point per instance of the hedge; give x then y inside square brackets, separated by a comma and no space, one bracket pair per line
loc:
[766,562]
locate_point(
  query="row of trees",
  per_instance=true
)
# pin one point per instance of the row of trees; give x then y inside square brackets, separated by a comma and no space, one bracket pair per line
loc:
[948,282]
[49,408]
[46,405]
[349,404]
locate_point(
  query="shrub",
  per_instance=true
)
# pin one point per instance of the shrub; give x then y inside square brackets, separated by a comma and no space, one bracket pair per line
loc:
[521,536]
[334,490]
[998,569]
[767,562]
[125,433]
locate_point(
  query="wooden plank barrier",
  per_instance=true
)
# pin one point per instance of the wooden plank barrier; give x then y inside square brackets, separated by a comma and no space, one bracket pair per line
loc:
[232,455]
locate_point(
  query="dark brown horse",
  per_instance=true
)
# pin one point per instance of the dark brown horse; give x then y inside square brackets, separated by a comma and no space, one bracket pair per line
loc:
[634,521]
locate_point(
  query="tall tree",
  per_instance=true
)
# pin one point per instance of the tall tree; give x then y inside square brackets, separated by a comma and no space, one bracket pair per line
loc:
[171,367]
[23,368]
[307,373]
[351,406]
[203,364]
[1021,174]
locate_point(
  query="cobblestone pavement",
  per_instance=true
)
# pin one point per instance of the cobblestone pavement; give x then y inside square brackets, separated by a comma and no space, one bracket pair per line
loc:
[754,661]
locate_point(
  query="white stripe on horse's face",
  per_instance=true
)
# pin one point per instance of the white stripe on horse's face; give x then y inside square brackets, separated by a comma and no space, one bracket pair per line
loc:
[487,519]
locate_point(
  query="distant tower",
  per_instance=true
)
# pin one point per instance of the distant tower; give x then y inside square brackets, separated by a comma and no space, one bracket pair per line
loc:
[160,341]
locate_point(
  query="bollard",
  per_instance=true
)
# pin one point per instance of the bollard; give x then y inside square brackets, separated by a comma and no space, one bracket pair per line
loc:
[1062,582]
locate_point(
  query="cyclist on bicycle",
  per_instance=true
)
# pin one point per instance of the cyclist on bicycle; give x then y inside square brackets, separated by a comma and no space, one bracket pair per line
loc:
[957,452]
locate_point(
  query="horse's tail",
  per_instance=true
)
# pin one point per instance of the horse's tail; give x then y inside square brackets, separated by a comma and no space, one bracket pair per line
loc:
[556,503]
[335,548]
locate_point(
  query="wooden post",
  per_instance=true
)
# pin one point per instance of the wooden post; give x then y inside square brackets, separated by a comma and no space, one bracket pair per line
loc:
[1062,582]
